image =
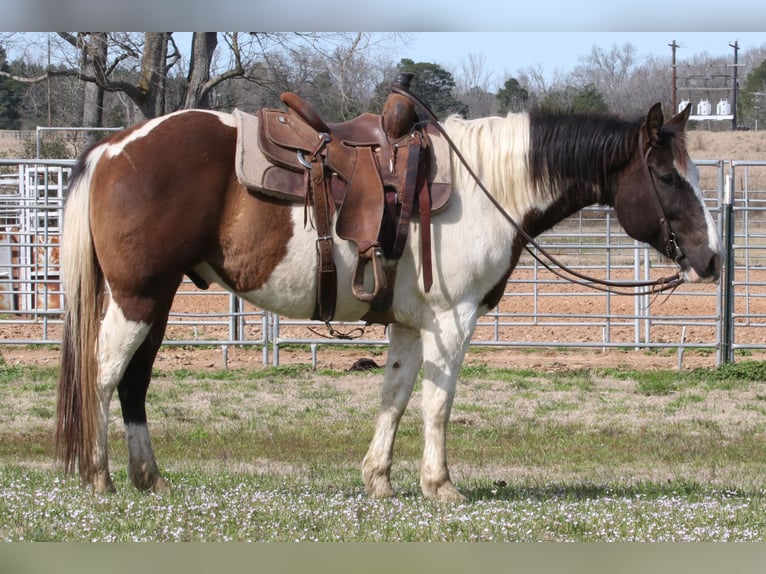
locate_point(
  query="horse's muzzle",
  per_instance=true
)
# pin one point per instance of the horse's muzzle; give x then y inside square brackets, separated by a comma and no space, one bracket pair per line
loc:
[709,274]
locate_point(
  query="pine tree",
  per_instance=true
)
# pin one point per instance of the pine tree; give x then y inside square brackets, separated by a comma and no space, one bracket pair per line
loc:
[10,98]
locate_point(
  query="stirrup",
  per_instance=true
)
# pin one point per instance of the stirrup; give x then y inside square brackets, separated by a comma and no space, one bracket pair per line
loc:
[375,256]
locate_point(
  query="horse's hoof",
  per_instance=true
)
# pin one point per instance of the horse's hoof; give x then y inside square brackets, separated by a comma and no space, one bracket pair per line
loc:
[381,493]
[102,484]
[445,492]
[378,487]
[146,477]
[160,486]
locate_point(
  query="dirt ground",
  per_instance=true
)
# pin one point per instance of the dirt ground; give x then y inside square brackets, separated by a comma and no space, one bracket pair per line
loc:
[174,358]
[542,359]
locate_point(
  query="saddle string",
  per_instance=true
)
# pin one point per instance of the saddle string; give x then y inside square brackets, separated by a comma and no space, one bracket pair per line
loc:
[605,285]
[333,333]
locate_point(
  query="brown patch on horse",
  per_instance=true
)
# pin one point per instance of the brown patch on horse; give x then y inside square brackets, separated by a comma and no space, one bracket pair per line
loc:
[534,223]
[146,244]
[255,231]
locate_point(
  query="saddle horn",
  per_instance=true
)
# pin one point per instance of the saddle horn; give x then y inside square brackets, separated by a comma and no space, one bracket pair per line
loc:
[399,116]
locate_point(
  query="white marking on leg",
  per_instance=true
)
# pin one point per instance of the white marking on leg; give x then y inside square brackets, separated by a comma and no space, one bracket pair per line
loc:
[404,359]
[445,343]
[142,465]
[118,340]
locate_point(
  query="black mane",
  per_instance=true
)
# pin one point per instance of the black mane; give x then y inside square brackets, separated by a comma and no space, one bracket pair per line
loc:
[568,148]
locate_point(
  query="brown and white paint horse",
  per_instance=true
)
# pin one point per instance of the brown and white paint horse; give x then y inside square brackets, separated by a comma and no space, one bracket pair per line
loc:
[161,199]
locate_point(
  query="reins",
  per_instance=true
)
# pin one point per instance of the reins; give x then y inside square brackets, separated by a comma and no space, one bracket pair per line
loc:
[561,270]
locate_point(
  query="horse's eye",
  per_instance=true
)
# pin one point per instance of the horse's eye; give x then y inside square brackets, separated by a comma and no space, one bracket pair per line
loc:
[668,178]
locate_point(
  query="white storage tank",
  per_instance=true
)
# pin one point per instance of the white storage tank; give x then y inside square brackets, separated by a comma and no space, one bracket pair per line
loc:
[704,108]
[723,108]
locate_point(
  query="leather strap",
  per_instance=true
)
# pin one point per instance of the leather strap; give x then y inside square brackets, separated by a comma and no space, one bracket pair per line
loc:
[424,206]
[360,219]
[409,188]
[323,212]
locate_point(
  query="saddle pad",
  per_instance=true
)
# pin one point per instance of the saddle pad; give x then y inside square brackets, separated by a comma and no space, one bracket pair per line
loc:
[252,166]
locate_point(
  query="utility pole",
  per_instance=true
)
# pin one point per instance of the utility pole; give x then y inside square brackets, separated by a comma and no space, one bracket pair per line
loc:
[735,45]
[673,76]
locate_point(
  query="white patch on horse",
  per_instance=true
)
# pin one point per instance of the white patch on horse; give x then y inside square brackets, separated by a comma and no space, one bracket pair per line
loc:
[471,219]
[291,288]
[503,169]
[144,130]
[118,340]
[692,176]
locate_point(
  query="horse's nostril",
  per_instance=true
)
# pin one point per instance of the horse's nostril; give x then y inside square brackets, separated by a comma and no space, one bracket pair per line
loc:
[714,266]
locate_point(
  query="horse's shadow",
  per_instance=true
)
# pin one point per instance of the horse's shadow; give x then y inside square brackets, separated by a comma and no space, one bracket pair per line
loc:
[499,491]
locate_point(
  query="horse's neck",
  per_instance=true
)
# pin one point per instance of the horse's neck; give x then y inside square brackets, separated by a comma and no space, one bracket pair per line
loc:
[563,203]
[538,175]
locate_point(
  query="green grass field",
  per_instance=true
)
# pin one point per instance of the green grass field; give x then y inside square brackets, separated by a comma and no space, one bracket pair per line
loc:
[275,455]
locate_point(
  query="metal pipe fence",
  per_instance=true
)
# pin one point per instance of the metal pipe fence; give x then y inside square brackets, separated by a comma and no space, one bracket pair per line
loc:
[537,309]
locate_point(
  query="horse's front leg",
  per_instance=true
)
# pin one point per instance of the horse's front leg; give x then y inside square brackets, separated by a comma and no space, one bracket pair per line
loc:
[445,343]
[405,356]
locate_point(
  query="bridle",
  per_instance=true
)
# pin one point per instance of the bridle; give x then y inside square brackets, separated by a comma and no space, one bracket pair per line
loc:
[672,249]
[548,260]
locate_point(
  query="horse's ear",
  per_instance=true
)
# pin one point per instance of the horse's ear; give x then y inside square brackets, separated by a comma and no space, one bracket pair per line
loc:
[652,126]
[681,117]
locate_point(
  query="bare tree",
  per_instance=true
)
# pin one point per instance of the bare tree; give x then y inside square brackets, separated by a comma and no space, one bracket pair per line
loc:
[149,61]
[472,83]
[472,73]
[147,70]
[647,84]
[338,71]
[606,69]
[94,57]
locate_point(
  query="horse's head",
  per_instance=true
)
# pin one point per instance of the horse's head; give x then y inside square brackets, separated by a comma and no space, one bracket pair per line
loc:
[658,201]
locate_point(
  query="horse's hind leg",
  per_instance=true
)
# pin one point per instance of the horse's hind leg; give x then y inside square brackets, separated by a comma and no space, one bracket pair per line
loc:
[142,466]
[133,385]
[404,359]
[126,349]
[118,340]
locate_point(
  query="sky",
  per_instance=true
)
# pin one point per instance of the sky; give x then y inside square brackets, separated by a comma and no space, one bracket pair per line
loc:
[506,53]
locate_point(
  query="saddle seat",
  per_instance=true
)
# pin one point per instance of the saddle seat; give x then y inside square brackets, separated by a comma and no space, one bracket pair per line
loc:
[372,174]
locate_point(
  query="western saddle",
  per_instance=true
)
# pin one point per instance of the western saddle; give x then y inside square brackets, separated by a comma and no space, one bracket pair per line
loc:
[375,172]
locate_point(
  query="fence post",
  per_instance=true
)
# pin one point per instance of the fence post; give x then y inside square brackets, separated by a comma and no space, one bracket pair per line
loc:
[727,280]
